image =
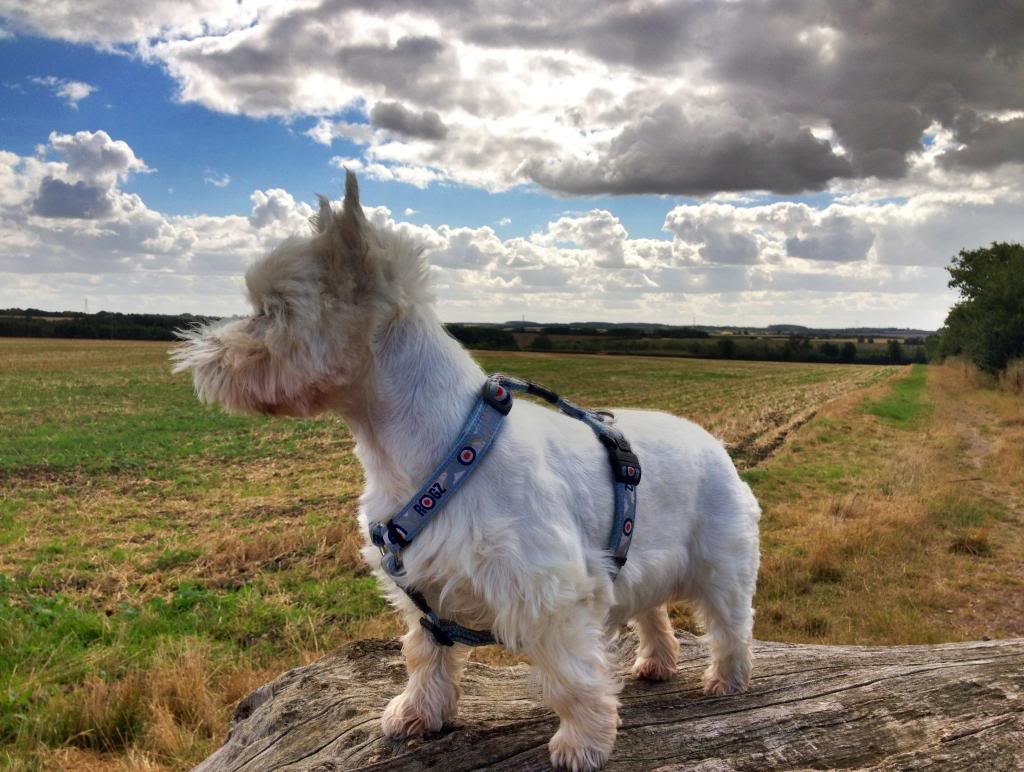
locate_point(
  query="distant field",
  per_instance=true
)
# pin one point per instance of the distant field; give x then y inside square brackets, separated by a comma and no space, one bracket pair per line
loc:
[158,559]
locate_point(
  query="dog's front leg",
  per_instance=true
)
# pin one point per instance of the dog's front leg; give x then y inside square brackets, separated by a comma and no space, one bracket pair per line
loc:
[431,698]
[570,661]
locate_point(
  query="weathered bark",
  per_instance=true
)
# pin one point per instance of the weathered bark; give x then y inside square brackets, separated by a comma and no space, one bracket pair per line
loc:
[956,706]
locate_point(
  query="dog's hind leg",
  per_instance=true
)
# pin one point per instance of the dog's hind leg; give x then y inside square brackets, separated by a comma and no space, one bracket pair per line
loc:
[656,658]
[432,695]
[729,622]
[570,662]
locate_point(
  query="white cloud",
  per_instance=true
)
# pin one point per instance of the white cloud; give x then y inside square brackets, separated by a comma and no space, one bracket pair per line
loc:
[217,180]
[670,97]
[67,229]
[417,176]
[93,157]
[275,208]
[71,91]
[108,24]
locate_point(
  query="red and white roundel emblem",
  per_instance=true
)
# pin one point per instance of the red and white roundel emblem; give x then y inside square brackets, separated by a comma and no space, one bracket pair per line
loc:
[627,527]
[427,502]
[500,392]
[630,471]
[466,456]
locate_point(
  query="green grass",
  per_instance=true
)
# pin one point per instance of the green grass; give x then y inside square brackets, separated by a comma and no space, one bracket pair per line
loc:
[907,405]
[135,521]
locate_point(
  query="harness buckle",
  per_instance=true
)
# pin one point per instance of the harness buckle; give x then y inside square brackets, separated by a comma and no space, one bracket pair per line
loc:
[392,564]
[625,464]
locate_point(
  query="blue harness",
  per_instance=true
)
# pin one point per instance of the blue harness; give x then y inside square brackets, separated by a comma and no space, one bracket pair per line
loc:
[478,433]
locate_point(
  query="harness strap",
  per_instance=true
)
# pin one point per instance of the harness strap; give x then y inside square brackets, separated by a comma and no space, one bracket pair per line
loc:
[478,433]
[624,463]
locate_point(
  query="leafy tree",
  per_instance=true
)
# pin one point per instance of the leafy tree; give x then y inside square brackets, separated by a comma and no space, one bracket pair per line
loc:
[849,352]
[541,343]
[895,351]
[987,324]
[726,347]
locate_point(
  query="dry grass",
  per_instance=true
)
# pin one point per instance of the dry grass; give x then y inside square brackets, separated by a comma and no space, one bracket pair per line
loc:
[1012,378]
[879,534]
[206,573]
[163,717]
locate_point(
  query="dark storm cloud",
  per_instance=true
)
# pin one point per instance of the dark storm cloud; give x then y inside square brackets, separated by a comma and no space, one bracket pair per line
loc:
[877,73]
[57,198]
[649,38]
[401,120]
[742,83]
[665,152]
[987,143]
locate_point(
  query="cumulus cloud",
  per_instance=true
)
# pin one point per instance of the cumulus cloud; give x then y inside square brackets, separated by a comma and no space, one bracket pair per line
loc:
[71,91]
[57,198]
[836,237]
[985,143]
[663,151]
[598,231]
[93,157]
[583,99]
[277,209]
[410,174]
[401,120]
[67,229]
[107,24]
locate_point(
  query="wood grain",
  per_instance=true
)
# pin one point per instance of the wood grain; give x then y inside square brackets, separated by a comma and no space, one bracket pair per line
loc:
[954,706]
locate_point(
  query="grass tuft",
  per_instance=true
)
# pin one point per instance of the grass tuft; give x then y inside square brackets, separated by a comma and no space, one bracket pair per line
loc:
[975,543]
[907,404]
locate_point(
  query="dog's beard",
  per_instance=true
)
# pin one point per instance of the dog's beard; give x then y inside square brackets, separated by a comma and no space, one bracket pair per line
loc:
[234,368]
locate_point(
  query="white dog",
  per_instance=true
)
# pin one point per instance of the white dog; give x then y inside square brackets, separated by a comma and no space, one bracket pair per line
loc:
[343,321]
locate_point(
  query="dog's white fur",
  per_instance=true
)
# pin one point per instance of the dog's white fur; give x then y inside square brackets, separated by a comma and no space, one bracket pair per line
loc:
[344,322]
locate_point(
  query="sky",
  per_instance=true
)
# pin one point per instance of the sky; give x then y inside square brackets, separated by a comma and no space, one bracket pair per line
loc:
[740,163]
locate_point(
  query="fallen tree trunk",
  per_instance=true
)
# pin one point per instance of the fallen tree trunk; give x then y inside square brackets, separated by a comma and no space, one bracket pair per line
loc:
[955,706]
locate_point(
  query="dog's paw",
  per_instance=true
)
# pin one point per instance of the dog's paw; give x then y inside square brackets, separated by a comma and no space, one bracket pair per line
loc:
[405,717]
[717,686]
[570,752]
[653,669]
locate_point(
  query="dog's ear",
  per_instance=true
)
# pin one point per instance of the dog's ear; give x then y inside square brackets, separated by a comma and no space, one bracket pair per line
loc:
[347,254]
[352,224]
[321,221]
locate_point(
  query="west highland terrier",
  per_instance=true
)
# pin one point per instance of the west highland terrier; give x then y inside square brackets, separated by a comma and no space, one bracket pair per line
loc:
[343,321]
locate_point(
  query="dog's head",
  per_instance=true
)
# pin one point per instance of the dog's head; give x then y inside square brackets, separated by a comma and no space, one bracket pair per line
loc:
[319,307]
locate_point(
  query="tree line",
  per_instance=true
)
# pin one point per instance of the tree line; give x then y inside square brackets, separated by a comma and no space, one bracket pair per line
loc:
[986,325]
[33,323]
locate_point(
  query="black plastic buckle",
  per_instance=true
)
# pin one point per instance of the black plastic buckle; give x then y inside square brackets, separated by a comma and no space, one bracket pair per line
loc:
[394,536]
[432,626]
[625,464]
[377,531]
